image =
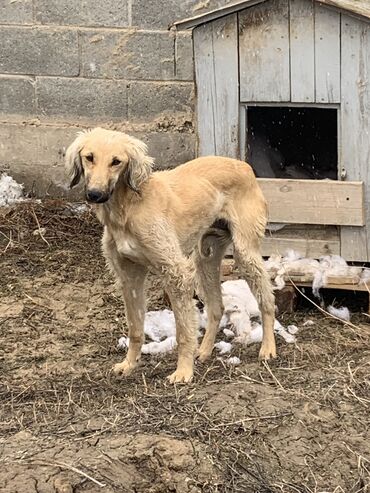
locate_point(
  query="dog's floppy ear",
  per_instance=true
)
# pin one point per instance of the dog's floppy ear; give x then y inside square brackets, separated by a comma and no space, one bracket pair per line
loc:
[139,166]
[73,160]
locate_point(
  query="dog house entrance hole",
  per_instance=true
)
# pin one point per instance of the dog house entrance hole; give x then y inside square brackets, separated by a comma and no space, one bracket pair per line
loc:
[292,142]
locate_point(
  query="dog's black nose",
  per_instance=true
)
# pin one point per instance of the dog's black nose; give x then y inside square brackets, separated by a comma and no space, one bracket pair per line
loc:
[96,196]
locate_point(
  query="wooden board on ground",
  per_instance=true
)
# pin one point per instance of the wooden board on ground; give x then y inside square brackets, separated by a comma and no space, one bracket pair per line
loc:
[314,201]
[352,280]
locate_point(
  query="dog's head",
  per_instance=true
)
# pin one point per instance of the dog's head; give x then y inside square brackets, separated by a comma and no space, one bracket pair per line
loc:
[105,158]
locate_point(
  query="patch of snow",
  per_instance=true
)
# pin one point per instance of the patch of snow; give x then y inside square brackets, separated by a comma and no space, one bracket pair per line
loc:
[282,332]
[223,347]
[292,329]
[233,361]
[228,333]
[342,313]
[11,192]
[164,346]
[159,325]
[308,323]
[365,276]
[39,232]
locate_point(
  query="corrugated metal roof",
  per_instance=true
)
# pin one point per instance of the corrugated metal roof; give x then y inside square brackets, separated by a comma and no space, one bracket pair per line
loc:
[359,8]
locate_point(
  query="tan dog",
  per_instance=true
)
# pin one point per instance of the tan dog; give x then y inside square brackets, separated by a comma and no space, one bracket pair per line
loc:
[177,223]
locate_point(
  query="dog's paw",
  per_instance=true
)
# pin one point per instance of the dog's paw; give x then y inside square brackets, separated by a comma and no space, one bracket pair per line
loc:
[267,352]
[203,355]
[181,375]
[205,350]
[125,368]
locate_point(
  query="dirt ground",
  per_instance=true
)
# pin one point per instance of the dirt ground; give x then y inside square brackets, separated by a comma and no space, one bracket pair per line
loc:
[299,424]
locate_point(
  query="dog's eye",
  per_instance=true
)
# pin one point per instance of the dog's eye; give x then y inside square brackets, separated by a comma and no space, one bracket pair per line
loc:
[90,158]
[115,162]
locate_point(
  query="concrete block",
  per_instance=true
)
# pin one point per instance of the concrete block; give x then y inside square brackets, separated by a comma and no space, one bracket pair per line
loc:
[19,12]
[17,96]
[82,13]
[127,54]
[184,56]
[34,155]
[34,144]
[38,51]
[41,181]
[149,100]
[81,99]
[169,149]
[161,13]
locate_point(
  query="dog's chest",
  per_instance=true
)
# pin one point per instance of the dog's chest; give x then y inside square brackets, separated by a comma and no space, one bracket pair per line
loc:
[127,246]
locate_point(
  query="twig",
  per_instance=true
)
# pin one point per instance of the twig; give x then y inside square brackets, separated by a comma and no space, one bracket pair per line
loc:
[361,400]
[266,365]
[39,228]
[64,465]
[37,303]
[345,322]
[254,418]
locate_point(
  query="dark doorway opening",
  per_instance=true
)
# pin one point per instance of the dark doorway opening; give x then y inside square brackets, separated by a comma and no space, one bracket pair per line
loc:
[292,142]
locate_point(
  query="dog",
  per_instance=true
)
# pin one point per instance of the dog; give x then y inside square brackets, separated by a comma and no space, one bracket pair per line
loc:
[177,223]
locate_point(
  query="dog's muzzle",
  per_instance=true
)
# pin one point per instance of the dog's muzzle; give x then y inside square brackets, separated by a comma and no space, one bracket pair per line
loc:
[96,196]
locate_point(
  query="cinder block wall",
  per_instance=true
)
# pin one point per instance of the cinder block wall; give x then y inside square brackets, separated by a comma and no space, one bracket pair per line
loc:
[72,64]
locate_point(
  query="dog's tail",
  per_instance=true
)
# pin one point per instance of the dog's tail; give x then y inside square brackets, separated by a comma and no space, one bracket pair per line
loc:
[218,235]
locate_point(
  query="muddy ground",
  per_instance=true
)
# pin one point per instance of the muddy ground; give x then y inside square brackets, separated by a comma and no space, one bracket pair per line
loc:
[299,424]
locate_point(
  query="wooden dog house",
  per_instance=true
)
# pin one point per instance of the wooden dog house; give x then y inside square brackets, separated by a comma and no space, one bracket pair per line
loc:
[297,73]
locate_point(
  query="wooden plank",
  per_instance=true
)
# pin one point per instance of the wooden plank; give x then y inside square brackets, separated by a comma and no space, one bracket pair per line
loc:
[327,55]
[264,52]
[307,248]
[314,201]
[302,51]
[342,280]
[359,7]
[212,15]
[226,73]
[345,287]
[206,90]
[355,125]
[216,71]
[309,240]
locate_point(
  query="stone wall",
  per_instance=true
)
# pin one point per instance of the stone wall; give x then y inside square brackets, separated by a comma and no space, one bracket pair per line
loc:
[72,64]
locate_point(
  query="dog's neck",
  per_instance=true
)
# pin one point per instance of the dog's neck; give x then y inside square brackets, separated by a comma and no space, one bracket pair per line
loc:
[116,209]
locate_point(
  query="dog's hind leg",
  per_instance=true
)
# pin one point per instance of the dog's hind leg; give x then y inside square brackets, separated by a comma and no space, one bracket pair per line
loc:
[130,278]
[248,258]
[208,263]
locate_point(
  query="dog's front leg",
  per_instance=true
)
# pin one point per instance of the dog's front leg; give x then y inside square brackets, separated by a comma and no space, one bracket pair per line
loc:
[132,279]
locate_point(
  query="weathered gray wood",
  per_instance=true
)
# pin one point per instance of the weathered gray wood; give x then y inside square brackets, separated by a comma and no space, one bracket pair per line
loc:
[206,89]
[359,7]
[196,20]
[302,51]
[225,52]
[355,125]
[264,52]
[216,69]
[314,201]
[327,55]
